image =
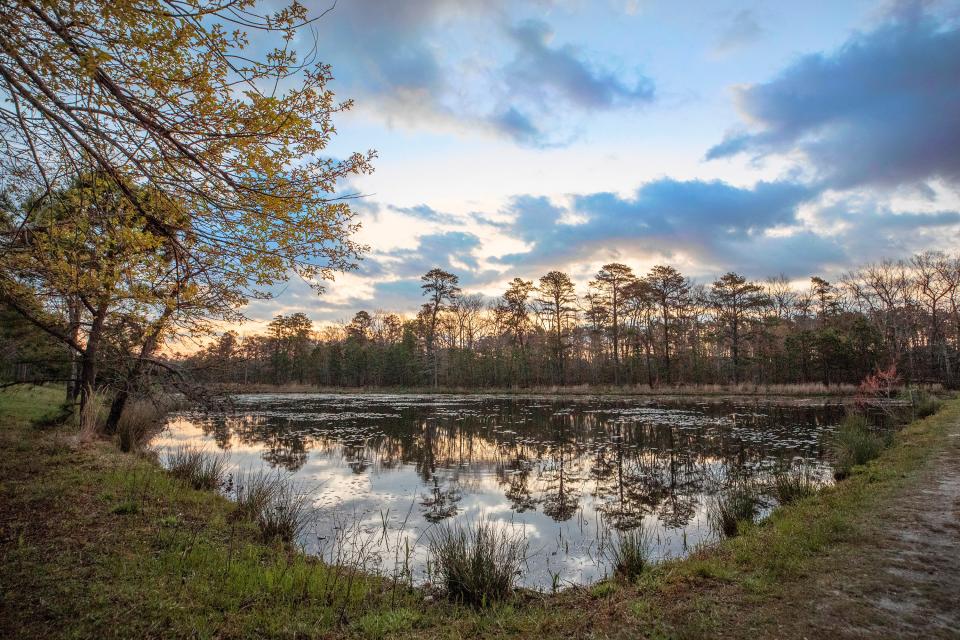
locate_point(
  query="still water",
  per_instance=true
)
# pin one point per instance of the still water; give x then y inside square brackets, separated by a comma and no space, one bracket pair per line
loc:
[566,473]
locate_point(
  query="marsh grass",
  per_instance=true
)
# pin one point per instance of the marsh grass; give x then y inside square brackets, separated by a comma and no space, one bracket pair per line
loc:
[737,503]
[252,492]
[477,563]
[201,468]
[140,420]
[855,443]
[283,509]
[630,554]
[92,416]
[792,484]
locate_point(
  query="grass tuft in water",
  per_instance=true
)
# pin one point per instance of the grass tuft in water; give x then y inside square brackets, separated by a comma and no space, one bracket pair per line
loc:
[252,491]
[477,563]
[738,502]
[792,484]
[853,444]
[201,468]
[284,513]
[630,555]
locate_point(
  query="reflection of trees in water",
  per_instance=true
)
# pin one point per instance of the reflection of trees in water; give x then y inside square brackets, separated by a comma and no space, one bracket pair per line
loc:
[637,468]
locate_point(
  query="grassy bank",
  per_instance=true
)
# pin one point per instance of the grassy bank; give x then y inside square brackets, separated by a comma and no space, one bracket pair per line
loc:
[98,543]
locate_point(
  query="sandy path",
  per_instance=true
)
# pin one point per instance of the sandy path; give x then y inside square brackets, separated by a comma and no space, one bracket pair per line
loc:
[903,581]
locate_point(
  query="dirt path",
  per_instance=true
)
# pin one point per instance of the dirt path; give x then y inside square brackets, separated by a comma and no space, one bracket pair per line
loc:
[903,579]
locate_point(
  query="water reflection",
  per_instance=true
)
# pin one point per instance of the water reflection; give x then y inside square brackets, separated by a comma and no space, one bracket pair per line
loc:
[564,471]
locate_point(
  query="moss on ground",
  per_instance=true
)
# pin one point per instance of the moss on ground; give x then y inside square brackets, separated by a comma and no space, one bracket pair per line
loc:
[98,543]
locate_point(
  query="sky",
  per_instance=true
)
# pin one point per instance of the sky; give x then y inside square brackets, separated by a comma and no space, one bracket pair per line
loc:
[513,138]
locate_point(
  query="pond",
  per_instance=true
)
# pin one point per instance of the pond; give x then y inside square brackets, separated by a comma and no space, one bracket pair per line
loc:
[567,473]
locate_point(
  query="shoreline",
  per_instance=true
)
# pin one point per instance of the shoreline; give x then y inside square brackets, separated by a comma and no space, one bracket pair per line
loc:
[90,534]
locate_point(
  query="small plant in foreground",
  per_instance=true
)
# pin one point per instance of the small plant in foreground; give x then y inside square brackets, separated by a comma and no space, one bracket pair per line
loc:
[853,444]
[630,555]
[477,563]
[795,483]
[737,503]
[201,468]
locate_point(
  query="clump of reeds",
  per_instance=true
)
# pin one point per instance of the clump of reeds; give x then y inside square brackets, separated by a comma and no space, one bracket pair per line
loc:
[141,418]
[477,563]
[738,502]
[201,468]
[853,444]
[792,484]
[926,405]
[630,554]
[283,509]
[92,416]
[252,492]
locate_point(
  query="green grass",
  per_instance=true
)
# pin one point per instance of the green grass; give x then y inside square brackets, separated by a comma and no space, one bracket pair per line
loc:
[98,543]
[734,507]
[855,443]
[477,563]
[630,553]
[792,484]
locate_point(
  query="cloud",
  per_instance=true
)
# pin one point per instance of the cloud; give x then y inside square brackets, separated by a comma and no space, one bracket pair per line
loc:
[662,215]
[549,73]
[466,64]
[742,30]
[882,110]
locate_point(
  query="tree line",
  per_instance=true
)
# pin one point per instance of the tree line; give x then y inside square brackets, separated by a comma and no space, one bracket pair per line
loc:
[656,329]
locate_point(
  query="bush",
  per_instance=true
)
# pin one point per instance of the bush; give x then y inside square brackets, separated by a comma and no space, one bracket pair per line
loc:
[476,564]
[792,484]
[631,553]
[737,503]
[202,469]
[853,444]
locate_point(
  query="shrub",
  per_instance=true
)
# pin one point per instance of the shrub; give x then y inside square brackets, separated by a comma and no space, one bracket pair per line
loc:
[477,564]
[853,444]
[737,503]
[792,484]
[201,468]
[631,553]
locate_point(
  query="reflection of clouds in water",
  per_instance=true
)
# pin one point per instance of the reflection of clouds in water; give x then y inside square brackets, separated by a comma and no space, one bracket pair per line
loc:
[563,472]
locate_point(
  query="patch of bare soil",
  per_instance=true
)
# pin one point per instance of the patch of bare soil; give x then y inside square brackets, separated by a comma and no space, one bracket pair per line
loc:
[903,580]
